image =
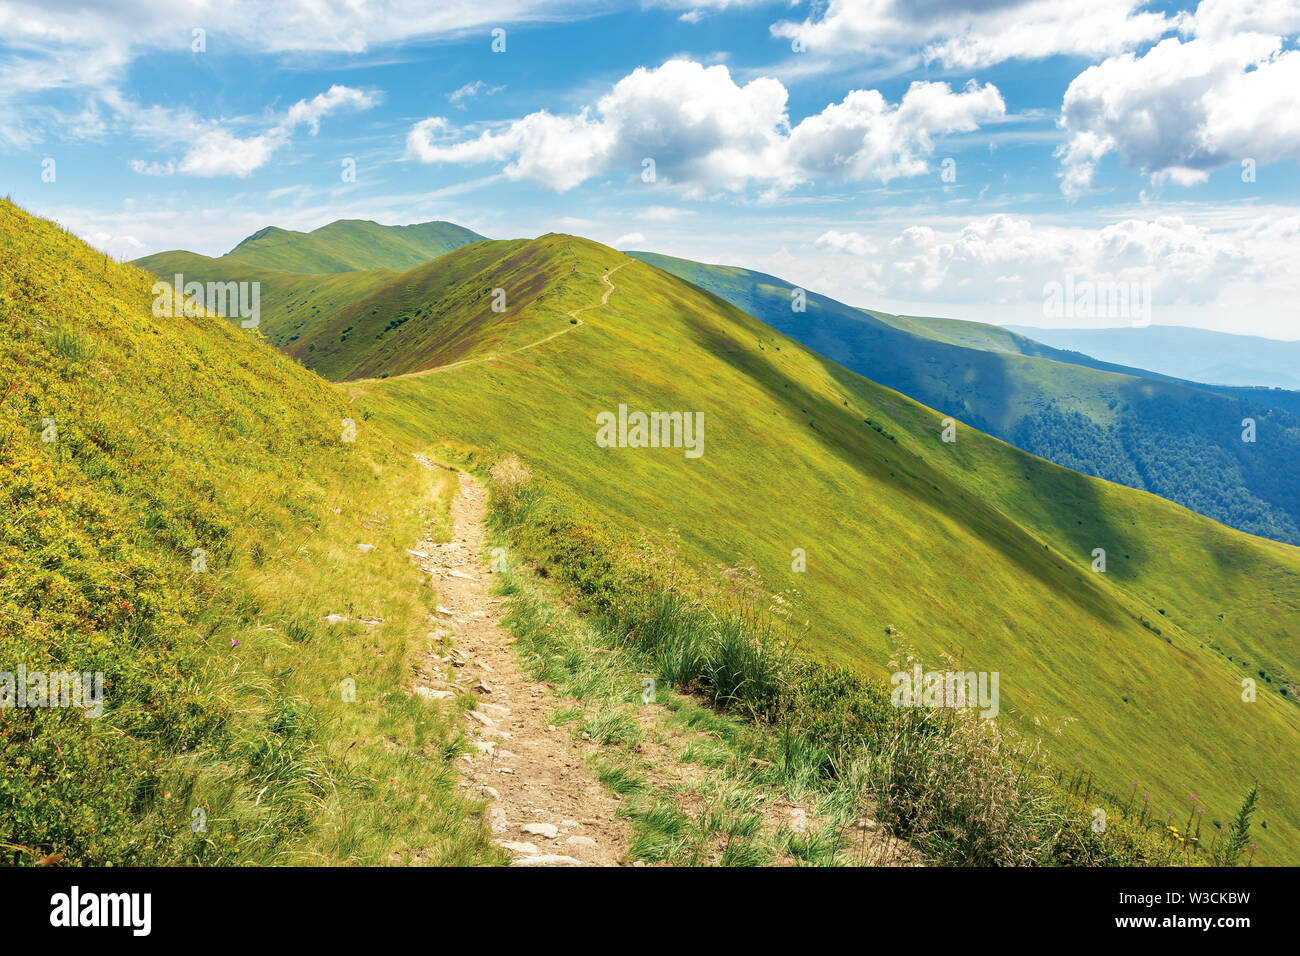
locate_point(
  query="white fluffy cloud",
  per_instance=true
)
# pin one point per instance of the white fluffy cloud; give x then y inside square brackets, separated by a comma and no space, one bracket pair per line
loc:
[1222,18]
[702,130]
[70,45]
[1189,106]
[965,35]
[216,150]
[1184,109]
[1003,262]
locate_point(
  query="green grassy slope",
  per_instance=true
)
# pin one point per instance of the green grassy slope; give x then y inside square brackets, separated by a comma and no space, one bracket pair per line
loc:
[379,321]
[974,548]
[127,442]
[1178,440]
[350,244]
[306,278]
[290,302]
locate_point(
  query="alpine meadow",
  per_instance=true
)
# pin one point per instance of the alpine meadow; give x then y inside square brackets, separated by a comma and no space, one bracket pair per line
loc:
[785,434]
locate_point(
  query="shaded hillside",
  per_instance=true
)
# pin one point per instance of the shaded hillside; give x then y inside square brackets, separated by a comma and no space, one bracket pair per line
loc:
[1175,439]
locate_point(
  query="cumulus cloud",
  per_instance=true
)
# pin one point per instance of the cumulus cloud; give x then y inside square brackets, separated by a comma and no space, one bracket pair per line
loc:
[216,150]
[1005,260]
[965,35]
[1188,107]
[692,125]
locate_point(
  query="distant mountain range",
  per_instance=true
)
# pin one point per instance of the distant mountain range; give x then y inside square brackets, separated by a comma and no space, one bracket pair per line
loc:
[1180,440]
[355,299]
[973,547]
[349,244]
[1196,354]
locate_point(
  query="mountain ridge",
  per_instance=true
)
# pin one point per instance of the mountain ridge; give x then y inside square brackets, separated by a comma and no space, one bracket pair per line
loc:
[1177,439]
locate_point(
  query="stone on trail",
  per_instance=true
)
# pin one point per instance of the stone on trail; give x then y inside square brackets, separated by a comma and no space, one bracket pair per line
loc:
[432,694]
[547,859]
[548,830]
[513,847]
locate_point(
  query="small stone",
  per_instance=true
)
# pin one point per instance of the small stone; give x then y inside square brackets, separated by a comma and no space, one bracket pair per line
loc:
[481,718]
[335,619]
[365,548]
[547,859]
[581,841]
[432,694]
[514,847]
[491,792]
[798,820]
[481,687]
[442,610]
[548,830]
[497,820]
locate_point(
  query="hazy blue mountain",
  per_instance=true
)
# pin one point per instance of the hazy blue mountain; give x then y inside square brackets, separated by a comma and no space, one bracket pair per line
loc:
[1177,439]
[1196,354]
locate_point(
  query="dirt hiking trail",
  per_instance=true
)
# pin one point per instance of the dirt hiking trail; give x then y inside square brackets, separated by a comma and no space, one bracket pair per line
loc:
[546,808]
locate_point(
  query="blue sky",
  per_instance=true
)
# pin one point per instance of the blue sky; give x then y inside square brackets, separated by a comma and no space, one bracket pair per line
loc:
[913,156]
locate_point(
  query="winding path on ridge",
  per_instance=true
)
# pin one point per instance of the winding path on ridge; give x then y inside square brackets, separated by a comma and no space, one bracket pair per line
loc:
[546,808]
[491,356]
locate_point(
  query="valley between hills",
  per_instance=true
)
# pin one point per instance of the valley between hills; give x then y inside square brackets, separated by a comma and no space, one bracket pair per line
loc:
[828,537]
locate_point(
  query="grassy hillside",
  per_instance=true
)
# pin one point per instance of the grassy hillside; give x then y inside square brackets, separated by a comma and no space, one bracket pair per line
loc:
[179,511]
[1180,441]
[306,278]
[971,549]
[350,244]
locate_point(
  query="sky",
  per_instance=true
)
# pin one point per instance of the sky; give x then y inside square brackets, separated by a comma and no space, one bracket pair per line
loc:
[927,157]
